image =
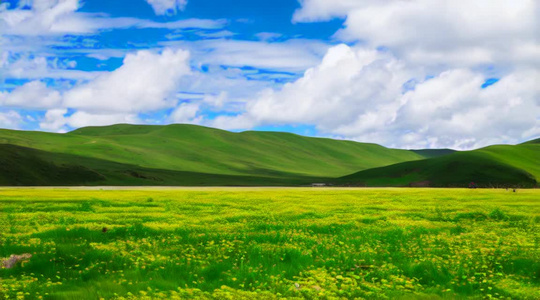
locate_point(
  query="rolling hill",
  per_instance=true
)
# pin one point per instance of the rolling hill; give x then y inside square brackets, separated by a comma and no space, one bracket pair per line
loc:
[201,156]
[430,153]
[181,155]
[499,165]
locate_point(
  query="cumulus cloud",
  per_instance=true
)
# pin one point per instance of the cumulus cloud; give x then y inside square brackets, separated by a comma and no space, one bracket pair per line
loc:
[345,83]
[364,95]
[457,33]
[162,7]
[10,119]
[383,95]
[454,110]
[44,16]
[146,81]
[186,113]
[54,120]
[34,94]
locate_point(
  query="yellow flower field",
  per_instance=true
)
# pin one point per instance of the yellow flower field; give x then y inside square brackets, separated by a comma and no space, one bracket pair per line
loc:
[270,243]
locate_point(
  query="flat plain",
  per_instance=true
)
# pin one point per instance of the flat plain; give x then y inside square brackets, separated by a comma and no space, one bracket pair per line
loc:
[270,243]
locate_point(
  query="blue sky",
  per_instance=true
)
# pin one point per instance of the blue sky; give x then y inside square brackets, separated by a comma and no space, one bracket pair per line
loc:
[399,74]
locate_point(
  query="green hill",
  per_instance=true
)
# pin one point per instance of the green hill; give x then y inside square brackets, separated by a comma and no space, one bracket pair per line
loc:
[500,165]
[195,155]
[537,141]
[430,153]
[524,156]
[25,166]
[21,166]
[182,155]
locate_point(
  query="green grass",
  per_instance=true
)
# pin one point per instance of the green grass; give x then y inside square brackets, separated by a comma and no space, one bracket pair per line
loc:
[494,166]
[188,155]
[524,156]
[173,154]
[210,243]
[430,153]
[21,166]
[537,141]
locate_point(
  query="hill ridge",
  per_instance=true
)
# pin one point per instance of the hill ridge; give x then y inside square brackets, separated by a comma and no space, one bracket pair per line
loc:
[184,154]
[192,148]
[494,166]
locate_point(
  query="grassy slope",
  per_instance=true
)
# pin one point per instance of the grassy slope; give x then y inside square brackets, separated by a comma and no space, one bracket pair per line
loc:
[537,141]
[174,154]
[22,166]
[524,156]
[430,153]
[490,166]
[201,149]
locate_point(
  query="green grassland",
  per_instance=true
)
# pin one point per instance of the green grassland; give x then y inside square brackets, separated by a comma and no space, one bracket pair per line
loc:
[189,155]
[494,166]
[183,155]
[431,153]
[271,243]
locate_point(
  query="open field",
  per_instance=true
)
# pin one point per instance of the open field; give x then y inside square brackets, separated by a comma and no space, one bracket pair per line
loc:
[184,155]
[271,243]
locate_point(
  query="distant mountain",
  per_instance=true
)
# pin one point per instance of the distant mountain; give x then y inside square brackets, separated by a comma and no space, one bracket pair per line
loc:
[494,166]
[181,155]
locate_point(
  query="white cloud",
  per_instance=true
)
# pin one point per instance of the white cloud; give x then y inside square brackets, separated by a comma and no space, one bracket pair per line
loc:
[162,7]
[223,77]
[216,101]
[454,110]
[37,68]
[146,81]
[233,122]
[323,10]
[222,87]
[45,16]
[10,119]
[57,17]
[450,32]
[54,120]
[346,83]
[359,94]
[83,119]
[34,94]
[186,113]
[295,55]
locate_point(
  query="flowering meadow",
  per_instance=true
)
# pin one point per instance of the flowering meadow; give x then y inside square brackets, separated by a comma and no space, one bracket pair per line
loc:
[270,243]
